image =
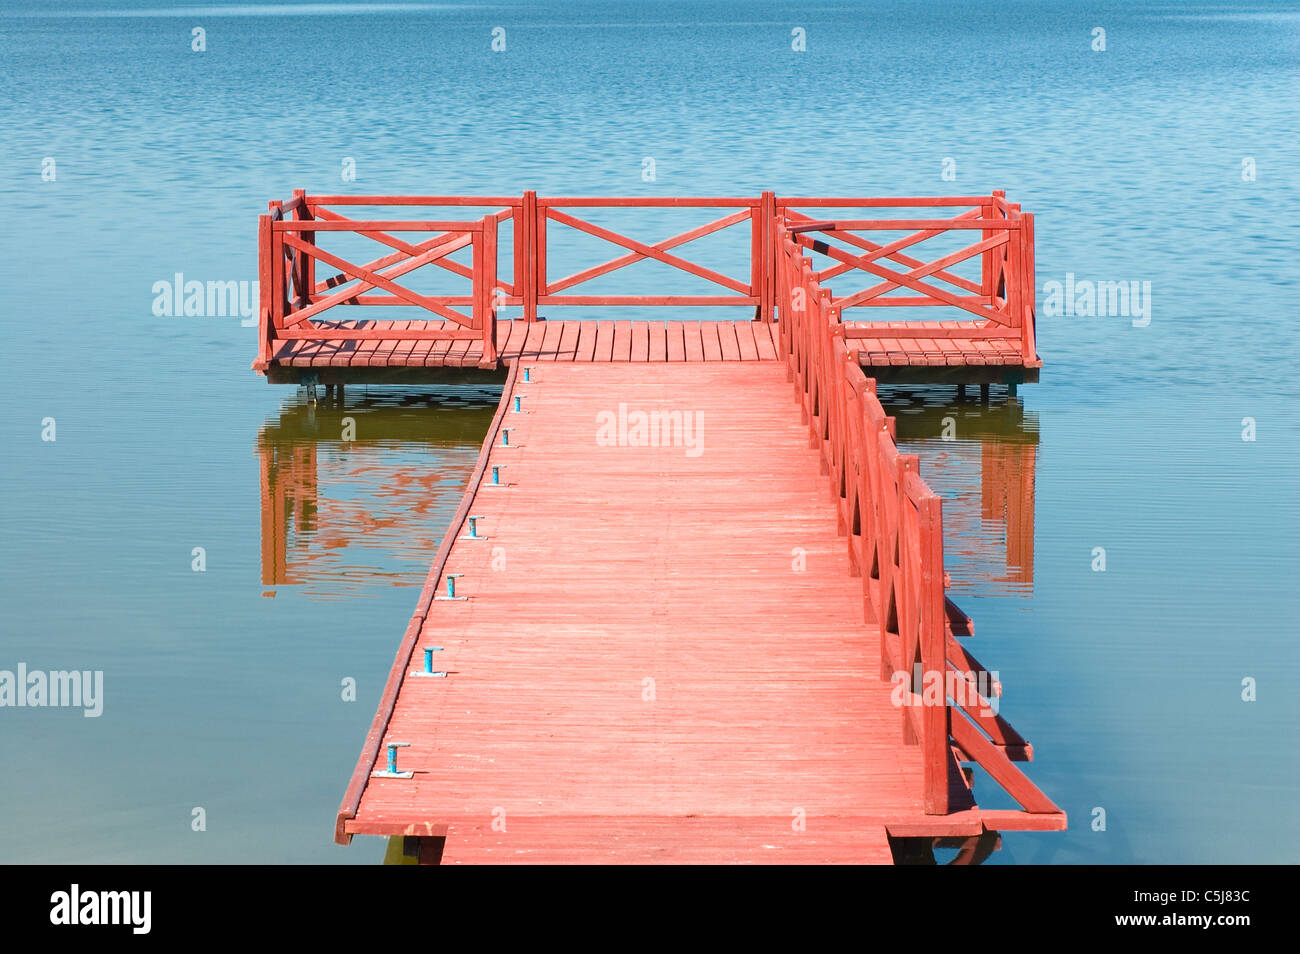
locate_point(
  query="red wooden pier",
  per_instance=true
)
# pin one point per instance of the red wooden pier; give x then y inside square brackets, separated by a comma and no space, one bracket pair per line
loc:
[692,606]
[983,330]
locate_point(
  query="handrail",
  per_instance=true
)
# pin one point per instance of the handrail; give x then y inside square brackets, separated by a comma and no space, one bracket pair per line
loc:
[893,523]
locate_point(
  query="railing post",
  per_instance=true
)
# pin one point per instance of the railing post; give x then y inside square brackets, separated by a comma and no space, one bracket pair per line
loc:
[306,262]
[527,265]
[988,260]
[279,291]
[519,257]
[761,255]
[539,254]
[477,301]
[1015,271]
[770,253]
[488,273]
[934,656]
[1029,307]
[265,324]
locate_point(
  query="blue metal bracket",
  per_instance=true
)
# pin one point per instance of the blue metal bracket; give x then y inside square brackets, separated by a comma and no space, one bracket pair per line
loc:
[451,588]
[428,669]
[391,771]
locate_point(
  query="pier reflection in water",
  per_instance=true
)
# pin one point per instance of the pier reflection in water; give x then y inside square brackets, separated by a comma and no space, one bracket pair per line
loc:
[354,495]
[980,458]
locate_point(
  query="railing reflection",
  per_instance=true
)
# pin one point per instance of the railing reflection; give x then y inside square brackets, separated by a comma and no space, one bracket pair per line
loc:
[981,458]
[354,496]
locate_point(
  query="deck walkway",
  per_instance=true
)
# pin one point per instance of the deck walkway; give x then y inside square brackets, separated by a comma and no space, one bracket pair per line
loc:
[651,563]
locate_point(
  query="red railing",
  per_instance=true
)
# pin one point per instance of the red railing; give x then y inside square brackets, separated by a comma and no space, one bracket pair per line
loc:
[996,303]
[893,523]
[751,290]
[294,298]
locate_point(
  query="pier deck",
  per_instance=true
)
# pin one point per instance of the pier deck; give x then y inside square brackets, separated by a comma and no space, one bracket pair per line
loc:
[662,655]
[596,341]
[692,606]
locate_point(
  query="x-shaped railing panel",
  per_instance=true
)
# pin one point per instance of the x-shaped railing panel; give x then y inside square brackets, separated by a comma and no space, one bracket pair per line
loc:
[976,302]
[379,273]
[743,291]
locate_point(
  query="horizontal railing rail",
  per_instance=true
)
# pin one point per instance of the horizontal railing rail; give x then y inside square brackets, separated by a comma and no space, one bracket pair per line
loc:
[893,523]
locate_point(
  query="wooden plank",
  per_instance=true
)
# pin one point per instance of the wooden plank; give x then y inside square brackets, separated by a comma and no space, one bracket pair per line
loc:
[622,341]
[463,353]
[553,331]
[641,341]
[604,341]
[568,347]
[360,354]
[532,349]
[693,340]
[510,337]
[420,356]
[658,340]
[439,352]
[399,355]
[710,340]
[586,349]
[745,339]
[727,340]
[676,340]
[948,349]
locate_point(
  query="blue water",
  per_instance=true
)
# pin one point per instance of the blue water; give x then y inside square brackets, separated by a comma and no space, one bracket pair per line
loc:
[222,697]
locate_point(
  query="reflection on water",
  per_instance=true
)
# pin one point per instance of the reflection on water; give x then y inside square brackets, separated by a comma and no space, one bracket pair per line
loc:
[353,495]
[980,458]
[958,850]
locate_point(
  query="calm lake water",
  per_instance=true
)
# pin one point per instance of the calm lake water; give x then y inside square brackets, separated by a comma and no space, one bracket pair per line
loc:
[1169,157]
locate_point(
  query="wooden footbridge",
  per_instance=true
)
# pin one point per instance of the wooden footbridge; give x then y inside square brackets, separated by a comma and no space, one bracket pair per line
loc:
[692,606]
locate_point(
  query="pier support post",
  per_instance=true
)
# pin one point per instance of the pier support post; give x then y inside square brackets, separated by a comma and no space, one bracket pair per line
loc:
[984,393]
